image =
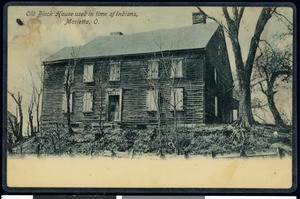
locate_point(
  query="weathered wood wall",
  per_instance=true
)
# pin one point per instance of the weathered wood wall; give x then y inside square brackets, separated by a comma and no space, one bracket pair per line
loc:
[217,57]
[135,86]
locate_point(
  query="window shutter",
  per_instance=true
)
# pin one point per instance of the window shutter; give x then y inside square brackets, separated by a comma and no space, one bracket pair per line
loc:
[173,69]
[153,69]
[71,102]
[155,101]
[88,73]
[64,103]
[177,100]
[180,99]
[115,71]
[215,74]
[91,72]
[90,101]
[85,102]
[66,74]
[172,99]
[148,100]
[216,106]
[179,68]
[72,75]
[152,97]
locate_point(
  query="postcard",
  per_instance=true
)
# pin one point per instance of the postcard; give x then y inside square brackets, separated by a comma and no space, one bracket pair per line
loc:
[147,96]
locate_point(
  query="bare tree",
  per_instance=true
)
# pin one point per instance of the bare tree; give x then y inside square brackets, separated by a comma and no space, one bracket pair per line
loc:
[158,88]
[273,65]
[69,80]
[37,85]
[18,100]
[30,116]
[166,81]
[244,69]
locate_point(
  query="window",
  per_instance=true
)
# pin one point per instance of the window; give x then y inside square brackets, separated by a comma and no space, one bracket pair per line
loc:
[216,106]
[176,68]
[152,100]
[114,71]
[177,98]
[64,102]
[69,75]
[153,68]
[215,74]
[88,102]
[88,73]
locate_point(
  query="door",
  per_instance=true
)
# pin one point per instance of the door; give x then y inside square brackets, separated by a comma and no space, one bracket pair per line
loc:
[113,108]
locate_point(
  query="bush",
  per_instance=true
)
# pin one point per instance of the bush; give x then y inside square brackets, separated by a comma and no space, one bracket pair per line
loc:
[197,141]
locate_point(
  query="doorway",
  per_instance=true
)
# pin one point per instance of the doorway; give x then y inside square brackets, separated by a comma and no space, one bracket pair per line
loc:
[113,108]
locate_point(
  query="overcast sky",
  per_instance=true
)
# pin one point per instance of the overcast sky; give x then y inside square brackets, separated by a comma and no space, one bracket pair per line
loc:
[42,36]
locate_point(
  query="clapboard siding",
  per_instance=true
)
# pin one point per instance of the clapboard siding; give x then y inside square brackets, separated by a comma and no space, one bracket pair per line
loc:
[135,85]
[217,59]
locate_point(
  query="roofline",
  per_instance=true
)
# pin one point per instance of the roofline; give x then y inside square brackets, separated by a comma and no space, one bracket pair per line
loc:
[123,55]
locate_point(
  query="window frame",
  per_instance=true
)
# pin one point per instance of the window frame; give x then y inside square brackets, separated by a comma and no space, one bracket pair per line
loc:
[172,74]
[84,98]
[149,68]
[152,100]
[172,101]
[72,74]
[64,102]
[85,80]
[118,64]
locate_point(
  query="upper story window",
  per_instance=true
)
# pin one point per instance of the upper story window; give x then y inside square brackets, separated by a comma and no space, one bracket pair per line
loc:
[88,73]
[177,98]
[69,75]
[219,49]
[152,100]
[153,68]
[215,74]
[64,102]
[88,102]
[177,68]
[114,74]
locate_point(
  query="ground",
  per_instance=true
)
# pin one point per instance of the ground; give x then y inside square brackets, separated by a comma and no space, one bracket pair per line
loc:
[213,141]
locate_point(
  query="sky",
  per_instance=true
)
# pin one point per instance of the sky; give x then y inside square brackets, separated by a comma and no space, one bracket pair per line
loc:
[42,36]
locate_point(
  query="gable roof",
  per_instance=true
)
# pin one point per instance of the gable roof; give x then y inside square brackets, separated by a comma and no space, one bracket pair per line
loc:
[190,37]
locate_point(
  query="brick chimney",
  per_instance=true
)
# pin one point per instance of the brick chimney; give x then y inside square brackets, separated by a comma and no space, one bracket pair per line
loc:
[116,33]
[199,18]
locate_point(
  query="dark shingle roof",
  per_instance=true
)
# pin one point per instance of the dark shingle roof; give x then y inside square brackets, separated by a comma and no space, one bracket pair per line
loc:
[190,37]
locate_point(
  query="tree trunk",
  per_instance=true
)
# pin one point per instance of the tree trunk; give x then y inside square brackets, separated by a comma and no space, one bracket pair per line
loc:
[277,118]
[20,133]
[38,113]
[68,112]
[245,112]
[159,127]
[31,123]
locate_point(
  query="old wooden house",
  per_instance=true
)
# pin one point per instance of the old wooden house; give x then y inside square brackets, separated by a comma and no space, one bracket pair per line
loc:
[127,79]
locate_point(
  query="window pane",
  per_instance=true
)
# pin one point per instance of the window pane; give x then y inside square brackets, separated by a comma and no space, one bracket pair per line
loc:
[153,68]
[177,98]
[152,99]
[88,73]
[115,71]
[176,68]
[88,102]
[65,104]
[69,74]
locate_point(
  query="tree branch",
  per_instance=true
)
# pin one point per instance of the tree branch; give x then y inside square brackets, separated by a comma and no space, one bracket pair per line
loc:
[213,18]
